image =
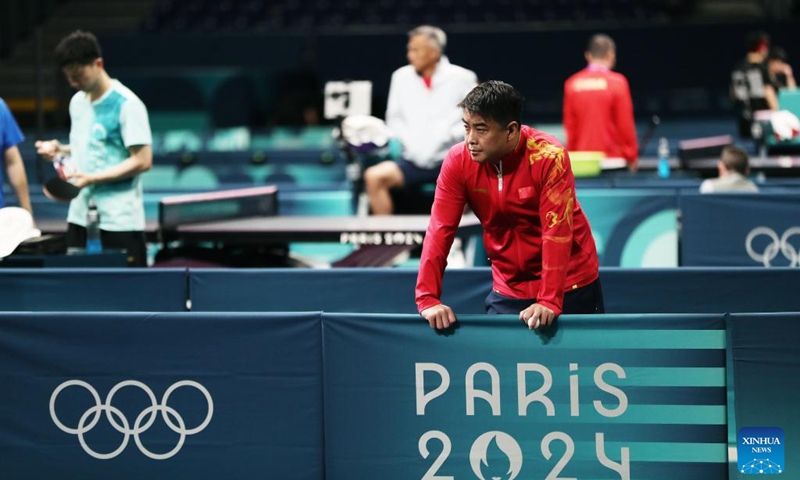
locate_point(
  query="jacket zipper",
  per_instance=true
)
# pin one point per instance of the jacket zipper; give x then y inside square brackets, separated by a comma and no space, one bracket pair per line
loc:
[499,175]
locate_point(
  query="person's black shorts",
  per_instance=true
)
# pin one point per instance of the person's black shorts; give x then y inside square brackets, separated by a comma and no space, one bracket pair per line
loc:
[588,299]
[414,175]
[133,242]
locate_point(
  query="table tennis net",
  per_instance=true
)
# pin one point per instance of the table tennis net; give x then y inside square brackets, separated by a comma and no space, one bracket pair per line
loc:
[174,211]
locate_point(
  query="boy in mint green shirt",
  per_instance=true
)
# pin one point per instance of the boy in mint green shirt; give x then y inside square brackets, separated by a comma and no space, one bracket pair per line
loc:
[110,146]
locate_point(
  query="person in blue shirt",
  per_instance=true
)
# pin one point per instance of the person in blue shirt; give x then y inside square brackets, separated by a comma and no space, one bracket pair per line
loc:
[110,146]
[10,137]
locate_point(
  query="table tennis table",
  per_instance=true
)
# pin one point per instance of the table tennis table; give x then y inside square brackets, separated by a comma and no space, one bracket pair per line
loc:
[358,231]
[378,241]
[248,220]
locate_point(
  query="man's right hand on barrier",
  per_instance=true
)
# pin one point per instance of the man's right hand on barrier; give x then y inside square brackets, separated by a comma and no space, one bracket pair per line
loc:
[439,316]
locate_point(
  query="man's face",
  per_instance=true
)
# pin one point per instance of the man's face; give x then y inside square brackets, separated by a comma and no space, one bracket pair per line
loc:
[486,139]
[83,77]
[421,53]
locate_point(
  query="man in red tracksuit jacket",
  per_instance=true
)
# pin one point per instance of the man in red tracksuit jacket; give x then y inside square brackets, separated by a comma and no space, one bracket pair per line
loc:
[519,183]
[598,110]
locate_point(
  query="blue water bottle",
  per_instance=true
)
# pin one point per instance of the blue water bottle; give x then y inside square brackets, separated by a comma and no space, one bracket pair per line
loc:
[663,158]
[93,244]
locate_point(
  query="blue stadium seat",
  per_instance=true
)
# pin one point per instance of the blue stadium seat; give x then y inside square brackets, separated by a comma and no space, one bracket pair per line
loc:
[280,177]
[197,177]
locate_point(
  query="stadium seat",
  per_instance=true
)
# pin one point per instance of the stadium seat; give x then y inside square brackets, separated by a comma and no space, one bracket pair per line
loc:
[197,177]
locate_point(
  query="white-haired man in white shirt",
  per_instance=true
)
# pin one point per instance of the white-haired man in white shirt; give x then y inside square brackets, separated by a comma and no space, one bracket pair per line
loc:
[422,114]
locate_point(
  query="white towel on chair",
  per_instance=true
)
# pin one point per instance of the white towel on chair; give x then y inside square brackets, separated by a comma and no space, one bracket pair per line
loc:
[785,125]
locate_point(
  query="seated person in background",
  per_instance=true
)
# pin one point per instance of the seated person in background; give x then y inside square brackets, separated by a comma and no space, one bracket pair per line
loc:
[780,72]
[598,109]
[421,113]
[733,166]
[751,86]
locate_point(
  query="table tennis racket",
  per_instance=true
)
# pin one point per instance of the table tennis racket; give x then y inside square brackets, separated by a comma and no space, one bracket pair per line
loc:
[60,190]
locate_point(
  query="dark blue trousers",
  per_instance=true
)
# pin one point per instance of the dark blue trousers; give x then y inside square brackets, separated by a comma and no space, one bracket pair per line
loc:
[588,299]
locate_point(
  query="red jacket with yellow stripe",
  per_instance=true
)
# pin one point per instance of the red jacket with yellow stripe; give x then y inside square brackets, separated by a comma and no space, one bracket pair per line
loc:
[537,237]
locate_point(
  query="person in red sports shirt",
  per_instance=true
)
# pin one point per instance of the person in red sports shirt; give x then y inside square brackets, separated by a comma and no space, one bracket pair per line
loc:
[598,110]
[519,183]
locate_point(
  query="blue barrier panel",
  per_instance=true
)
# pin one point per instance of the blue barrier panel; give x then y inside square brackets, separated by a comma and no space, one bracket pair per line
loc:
[633,227]
[359,290]
[765,358]
[699,290]
[175,396]
[372,290]
[740,230]
[596,398]
[97,290]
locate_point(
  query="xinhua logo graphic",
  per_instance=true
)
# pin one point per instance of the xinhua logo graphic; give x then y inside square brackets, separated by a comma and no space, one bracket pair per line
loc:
[761,450]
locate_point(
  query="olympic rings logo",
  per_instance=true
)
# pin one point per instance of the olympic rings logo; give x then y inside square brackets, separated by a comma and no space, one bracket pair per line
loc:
[777,245]
[121,423]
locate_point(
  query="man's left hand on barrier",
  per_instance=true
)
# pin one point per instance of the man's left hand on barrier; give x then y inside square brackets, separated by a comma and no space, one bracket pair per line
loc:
[537,316]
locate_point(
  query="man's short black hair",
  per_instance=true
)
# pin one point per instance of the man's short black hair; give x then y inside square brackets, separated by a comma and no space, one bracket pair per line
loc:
[777,53]
[78,48]
[495,100]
